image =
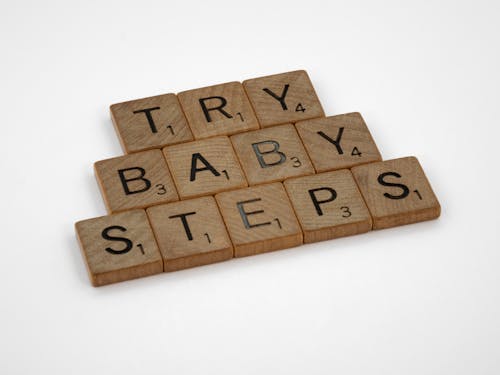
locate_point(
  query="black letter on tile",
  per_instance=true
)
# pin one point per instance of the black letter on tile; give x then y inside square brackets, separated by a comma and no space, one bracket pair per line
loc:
[281,98]
[244,214]
[206,110]
[185,223]
[405,189]
[335,142]
[127,242]
[317,203]
[125,181]
[260,154]
[151,122]
[194,169]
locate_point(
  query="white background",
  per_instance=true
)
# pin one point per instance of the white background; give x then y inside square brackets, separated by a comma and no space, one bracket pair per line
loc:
[420,299]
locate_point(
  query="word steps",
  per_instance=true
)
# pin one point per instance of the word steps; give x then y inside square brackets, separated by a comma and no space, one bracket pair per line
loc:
[239,169]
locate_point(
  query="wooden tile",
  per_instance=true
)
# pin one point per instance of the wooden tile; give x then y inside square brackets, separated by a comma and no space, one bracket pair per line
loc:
[204,167]
[218,110]
[190,233]
[338,142]
[272,154]
[259,219]
[118,247]
[149,123]
[283,98]
[135,181]
[396,192]
[328,205]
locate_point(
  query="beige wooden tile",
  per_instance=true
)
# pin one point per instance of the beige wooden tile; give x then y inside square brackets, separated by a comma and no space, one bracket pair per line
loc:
[283,98]
[338,142]
[148,123]
[135,181]
[272,154]
[396,192]
[328,205]
[218,110]
[204,167]
[190,233]
[118,247]
[259,219]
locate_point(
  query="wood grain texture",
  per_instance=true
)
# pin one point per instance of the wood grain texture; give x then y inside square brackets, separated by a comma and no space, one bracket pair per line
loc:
[190,233]
[204,167]
[118,247]
[259,219]
[338,142]
[328,205]
[149,123]
[283,98]
[221,109]
[272,154]
[396,192]
[135,181]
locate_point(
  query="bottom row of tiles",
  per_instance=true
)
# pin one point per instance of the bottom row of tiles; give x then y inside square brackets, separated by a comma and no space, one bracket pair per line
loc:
[255,220]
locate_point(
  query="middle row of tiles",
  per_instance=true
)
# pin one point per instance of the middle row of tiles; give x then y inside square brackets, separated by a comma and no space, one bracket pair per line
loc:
[210,166]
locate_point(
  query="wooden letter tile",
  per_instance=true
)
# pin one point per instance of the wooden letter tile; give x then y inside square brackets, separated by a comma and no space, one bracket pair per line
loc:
[396,192]
[135,181]
[190,233]
[338,142]
[118,247]
[272,154]
[283,98]
[259,219]
[148,123]
[328,205]
[204,167]
[218,110]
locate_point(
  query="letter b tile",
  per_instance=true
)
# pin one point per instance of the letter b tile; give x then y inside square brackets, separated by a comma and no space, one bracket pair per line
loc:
[135,181]
[259,219]
[396,192]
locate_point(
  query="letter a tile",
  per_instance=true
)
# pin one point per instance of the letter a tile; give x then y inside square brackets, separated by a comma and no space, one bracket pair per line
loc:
[283,98]
[338,142]
[118,247]
[259,219]
[396,192]
[190,233]
[135,181]
[218,110]
[272,154]
[328,205]
[204,167]
[148,123]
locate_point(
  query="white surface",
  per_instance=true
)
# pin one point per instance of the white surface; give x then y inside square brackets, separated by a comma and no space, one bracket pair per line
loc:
[420,299]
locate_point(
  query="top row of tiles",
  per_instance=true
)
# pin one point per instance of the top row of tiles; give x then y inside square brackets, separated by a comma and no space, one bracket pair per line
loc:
[223,109]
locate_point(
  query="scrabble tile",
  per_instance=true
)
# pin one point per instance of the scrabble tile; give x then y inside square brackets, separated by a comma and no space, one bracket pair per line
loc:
[396,192]
[259,219]
[204,167]
[149,123]
[118,247]
[190,233]
[283,98]
[218,110]
[135,181]
[328,205]
[272,154]
[338,142]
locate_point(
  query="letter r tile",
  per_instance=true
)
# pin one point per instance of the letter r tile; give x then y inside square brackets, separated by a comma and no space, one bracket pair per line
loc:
[396,192]
[218,110]
[118,247]
[259,219]
[135,181]
[190,233]
[283,98]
